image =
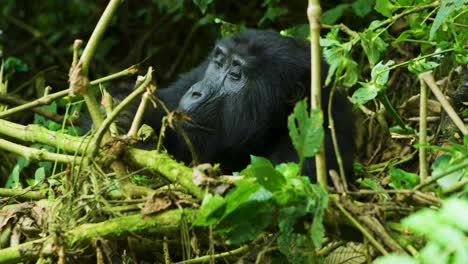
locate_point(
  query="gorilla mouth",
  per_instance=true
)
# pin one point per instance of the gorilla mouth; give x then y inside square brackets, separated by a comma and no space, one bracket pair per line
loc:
[190,124]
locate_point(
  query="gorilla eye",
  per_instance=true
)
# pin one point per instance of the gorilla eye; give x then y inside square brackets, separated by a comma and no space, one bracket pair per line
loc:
[218,64]
[235,76]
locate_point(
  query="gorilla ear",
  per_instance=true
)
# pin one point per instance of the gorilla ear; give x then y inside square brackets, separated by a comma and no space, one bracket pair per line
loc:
[296,93]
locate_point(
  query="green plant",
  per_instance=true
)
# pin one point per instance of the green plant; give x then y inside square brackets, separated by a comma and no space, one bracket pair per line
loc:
[445,231]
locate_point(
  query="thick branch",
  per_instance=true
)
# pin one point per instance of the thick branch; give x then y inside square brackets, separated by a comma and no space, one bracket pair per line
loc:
[113,228]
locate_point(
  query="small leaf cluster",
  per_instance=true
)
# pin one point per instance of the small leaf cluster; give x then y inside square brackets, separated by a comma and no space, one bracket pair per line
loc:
[445,231]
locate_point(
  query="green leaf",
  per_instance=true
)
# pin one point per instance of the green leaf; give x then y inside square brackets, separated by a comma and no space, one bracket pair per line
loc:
[419,66]
[245,191]
[416,33]
[362,7]
[248,222]
[371,184]
[445,163]
[364,94]
[12,65]
[443,14]
[13,180]
[266,174]
[39,175]
[292,244]
[380,72]
[338,57]
[306,131]
[300,31]
[203,4]
[272,14]
[289,170]
[332,15]
[455,212]
[348,72]
[318,205]
[229,29]
[373,45]
[384,7]
[393,259]
[211,211]
[401,179]
[432,253]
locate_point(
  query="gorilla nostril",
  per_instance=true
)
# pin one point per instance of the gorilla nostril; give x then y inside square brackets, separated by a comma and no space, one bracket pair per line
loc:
[196,95]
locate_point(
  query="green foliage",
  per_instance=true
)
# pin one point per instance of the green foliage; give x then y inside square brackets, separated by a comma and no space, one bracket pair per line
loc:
[385,7]
[273,11]
[454,161]
[12,65]
[369,90]
[203,4]
[444,14]
[274,195]
[372,44]
[300,31]
[419,66]
[305,130]
[13,180]
[371,184]
[338,55]
[360,7]
[401,179]
[228,29]
[445,230]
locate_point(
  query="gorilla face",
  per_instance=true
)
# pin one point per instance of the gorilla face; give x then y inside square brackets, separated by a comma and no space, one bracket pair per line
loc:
[225,77]
[243,95]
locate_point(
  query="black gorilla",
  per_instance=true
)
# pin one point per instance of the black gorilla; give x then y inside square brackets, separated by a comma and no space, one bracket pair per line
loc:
[239,99]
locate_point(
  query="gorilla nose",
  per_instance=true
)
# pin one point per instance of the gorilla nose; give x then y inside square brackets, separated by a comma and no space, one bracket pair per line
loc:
[196,95]
[191,100]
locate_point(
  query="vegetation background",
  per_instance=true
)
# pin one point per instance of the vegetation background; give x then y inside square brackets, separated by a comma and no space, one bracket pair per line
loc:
[382,52]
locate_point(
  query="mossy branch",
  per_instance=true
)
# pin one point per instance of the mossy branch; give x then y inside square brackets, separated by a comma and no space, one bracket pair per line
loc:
[113,228]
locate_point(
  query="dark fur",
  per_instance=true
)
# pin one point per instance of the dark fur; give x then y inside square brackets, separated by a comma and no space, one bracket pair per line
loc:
[249,115]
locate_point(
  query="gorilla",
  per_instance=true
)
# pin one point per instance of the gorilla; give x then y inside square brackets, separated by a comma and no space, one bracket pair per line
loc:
[238,100]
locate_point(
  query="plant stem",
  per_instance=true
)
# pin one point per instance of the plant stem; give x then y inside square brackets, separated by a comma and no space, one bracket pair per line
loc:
[313,13]
[423,132]
[389,107]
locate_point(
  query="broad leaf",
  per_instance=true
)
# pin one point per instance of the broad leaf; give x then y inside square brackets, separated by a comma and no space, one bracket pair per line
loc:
[266,174]
[306,131]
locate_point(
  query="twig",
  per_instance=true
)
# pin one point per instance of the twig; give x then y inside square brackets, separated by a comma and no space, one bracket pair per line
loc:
[423,133]
[25,194]
[139,115]
[88,53]
[331,125]
[361,228]
[116,227]
[462,165]
[40,134]
[40,101]
[51,97]
[129,71]
[36,154]
[405,13]
[429,79]
[236,251]
[107,103]
[103,128]
[313,14]
[456,187]
[13,100]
